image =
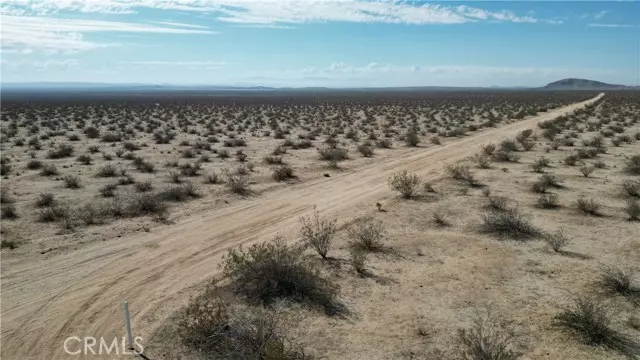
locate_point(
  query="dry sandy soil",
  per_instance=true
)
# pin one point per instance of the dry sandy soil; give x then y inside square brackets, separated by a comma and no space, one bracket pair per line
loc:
[437,279]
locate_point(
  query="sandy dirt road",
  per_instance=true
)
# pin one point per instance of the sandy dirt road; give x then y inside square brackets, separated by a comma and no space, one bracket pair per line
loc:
[79,293]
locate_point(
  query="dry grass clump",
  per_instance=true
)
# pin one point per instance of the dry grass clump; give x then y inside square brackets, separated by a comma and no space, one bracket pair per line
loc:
[511,223]
[633,209]
[488,339]
[283,173]
[462,172]
[631,187]
[588,206]
[620,281]
[632,166]
[271,271]
[591,320]
[548,201]
[557,240]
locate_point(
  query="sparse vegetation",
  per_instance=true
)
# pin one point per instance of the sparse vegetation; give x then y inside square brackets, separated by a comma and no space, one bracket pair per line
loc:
[318,233]
[405,183]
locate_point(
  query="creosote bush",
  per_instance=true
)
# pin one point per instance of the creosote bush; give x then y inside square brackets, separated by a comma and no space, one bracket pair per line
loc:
[588,206]
[557,240]
[633,209]
[631,187]
[548,201]
[511,223]
[273,270]
[367,234]
[318,233]
[619,281]
[405,183]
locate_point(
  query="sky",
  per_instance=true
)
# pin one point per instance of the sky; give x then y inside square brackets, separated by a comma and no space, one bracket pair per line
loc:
[330,43]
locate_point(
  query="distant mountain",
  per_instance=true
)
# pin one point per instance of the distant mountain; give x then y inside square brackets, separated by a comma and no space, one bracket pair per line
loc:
[580,84]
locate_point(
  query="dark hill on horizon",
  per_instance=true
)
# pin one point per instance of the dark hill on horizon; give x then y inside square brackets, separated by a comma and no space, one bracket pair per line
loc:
[580,84]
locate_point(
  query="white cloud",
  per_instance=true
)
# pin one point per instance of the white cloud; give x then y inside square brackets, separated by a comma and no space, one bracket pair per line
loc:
[279,11]
[30,65]
[178,63]
[611,25]
[600,14]
[67,35]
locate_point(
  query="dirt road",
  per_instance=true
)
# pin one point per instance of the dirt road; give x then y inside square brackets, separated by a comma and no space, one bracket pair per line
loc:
[79,293]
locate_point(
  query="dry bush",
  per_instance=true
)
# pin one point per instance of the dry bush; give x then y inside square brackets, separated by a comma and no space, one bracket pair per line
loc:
[548,201]
[72,182]
[365,150]
[483,161]
[619,281]
[539,187]
[62,151]
[571,160]
[631,187]
[588,206]
[487,339]
[147,204]
[497,203]
[633,209]
[49,170]
[586,170]
[143,186]
[412,139]
[218,330]
[540,164]
[436,140]
[34,164]
[440,219]
[5,197]
[550,180]
[591,319]
[359,261]
[632,165]
[212,178]
[318,233]
[462,172]
[405,183]
[237,184]
[108,190]
[367,235]
[45,200]
[53,213]
[179,193]
[511,223]
[489,149]
[557,240]
[84,159]
[90,214]
[107,171]
[8,212]
[272,271]
[283,173]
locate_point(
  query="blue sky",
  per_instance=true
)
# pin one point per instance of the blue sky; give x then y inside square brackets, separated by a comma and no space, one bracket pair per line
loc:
[335,43]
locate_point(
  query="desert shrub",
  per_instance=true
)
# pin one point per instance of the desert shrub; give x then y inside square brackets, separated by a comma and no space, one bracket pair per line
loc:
[147,204]
[367,234]
[619,281]
[588,206]
[540,164]
[586,170]
[333,154]
[111,137]
[384,144]
[599,164]
[273,160]
[489,149]
[461,172]
[212,178]
[5,197]
[365,150]
[497,203]
[62,151]
[129,146]
[318,233]
[283,173]
[511,223]
[571,160]
[632,165]
[550,180]
[631,187]
[487,339]
[436,140]
[90,214]
[405,183]
[8,211]
[539,187]
[92,132]
[271,271]
[8,244]
[548,201]
[633,209]
[53,213]
[557,240]
[359,261]
[217,330]
[440,219]
[49,170]
[223,154]
[504,155]
[108,190]
[72,182]
[107,171]
[591,319]
[483,161]
[45,200]
[237,184]
[143,186]
[143,165]
[178,193]
[34,164]
[412,139]
[190,170]
[84,159]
